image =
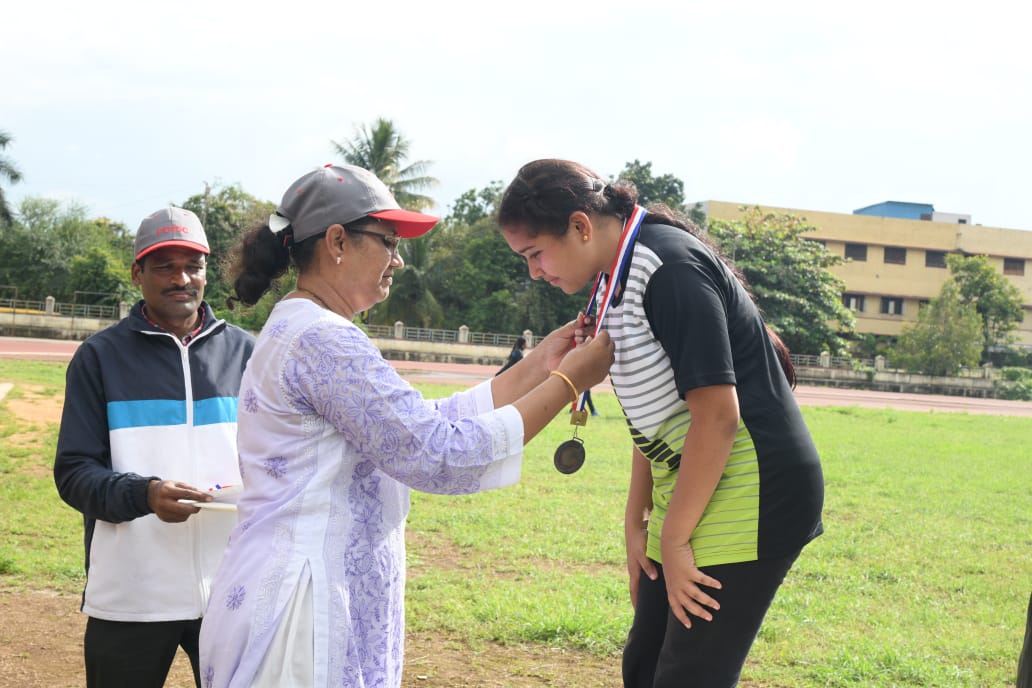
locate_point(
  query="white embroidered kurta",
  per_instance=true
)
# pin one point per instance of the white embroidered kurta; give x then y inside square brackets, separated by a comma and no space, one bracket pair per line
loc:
[330,440]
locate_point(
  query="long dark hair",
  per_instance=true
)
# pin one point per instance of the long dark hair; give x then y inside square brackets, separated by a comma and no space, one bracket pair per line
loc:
[260,257]
[546,192]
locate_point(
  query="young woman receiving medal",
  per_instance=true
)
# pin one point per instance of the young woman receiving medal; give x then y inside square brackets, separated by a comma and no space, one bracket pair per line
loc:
[726,485]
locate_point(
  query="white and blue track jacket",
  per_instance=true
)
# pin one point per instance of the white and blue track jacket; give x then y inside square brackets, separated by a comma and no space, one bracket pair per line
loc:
[139,405]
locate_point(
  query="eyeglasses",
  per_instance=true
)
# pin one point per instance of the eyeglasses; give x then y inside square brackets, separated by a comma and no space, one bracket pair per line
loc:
[391,242]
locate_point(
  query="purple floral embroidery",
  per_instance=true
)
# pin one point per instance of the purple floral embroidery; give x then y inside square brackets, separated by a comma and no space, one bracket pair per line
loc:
[250,401]
[275,466]
[277,328]
[209,676]
[235,598]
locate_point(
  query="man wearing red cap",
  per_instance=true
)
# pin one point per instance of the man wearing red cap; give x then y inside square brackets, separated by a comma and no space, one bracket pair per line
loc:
[148,431]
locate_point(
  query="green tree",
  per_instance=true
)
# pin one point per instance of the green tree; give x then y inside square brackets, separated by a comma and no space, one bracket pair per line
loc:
[946,337]
[38,250]
[476,277]
[10,172]
[996,299]
[383,150]
[788,274]
[226,212]
[473,206]
[430,266]
[481,283]
[119,238]
[666,189]
[412,299]
[100,271]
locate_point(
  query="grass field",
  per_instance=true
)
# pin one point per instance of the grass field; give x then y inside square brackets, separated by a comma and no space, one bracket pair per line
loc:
[921,579]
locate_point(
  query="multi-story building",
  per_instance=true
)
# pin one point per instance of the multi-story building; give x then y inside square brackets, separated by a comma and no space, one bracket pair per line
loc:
[896,257]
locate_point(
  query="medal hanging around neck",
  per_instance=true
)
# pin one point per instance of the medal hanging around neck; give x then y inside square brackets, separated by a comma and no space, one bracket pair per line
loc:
[569,456]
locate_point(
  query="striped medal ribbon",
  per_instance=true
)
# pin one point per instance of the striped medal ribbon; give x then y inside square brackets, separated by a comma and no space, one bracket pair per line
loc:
[569,456]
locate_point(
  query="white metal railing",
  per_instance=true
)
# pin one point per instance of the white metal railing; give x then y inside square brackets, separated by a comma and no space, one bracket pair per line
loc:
[419,334]
[811,361]
[75,310]
[423,334]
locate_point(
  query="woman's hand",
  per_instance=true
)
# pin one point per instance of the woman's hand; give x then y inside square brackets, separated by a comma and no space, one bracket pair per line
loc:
[585,327]
[549,351]
[637,539]
[588,364]
[683,581]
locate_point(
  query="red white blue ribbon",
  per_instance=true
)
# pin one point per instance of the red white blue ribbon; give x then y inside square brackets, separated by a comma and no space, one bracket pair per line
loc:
[624,250]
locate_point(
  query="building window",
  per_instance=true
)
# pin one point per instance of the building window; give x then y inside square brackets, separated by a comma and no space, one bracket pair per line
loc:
[854,302]
[935,259]
[1014,266]
[896,255]
[856,251]
[891,305]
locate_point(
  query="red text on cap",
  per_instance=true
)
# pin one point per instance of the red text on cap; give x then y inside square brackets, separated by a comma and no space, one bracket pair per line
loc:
[173,229]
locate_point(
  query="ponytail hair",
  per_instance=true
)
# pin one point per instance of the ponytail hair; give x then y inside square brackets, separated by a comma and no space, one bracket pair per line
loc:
[546,192]
[783,356]
[260,257]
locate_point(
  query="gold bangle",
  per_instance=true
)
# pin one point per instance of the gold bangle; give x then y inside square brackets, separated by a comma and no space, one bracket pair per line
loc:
[569,382]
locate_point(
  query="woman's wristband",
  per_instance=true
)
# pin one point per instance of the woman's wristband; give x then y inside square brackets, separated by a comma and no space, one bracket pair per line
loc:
[568,381]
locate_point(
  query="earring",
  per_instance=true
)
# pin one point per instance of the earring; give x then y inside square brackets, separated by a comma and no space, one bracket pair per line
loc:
[584,237]
[338,260]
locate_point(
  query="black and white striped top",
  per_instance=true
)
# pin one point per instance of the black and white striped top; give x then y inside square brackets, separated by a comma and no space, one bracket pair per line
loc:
[684,321]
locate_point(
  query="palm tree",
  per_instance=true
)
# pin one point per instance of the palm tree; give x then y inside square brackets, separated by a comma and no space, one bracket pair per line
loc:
[382,150]
[412,301]
[12,174]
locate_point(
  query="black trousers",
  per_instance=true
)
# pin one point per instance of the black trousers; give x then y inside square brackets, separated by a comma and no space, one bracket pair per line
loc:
[1025,658]
[128,654]
[662,653]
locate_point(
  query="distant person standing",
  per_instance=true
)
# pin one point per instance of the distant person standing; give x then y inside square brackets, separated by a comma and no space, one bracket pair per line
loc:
[150,419]
[588,403]
[515,356]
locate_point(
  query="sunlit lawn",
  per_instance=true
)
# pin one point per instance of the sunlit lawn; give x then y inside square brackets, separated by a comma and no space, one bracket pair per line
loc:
[922,578]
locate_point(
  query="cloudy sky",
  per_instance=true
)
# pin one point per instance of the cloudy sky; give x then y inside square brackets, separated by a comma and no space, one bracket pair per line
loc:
[126,106]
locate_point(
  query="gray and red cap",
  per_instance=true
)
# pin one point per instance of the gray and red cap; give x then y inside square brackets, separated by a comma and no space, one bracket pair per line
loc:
[341,194]
[170,226]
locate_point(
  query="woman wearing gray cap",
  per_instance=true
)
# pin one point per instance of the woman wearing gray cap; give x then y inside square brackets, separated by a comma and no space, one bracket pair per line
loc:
[310,591]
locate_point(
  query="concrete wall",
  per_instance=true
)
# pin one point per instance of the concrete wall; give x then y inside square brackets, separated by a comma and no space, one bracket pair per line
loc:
[22,324]
[978,385]
[892,381]
[63,327]
[439,352]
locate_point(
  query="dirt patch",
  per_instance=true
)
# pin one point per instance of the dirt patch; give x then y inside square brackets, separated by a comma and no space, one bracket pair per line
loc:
[41,647]
[33,408]
[33,405]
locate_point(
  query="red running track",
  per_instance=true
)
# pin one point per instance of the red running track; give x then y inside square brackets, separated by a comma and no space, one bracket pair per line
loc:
[60,350]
